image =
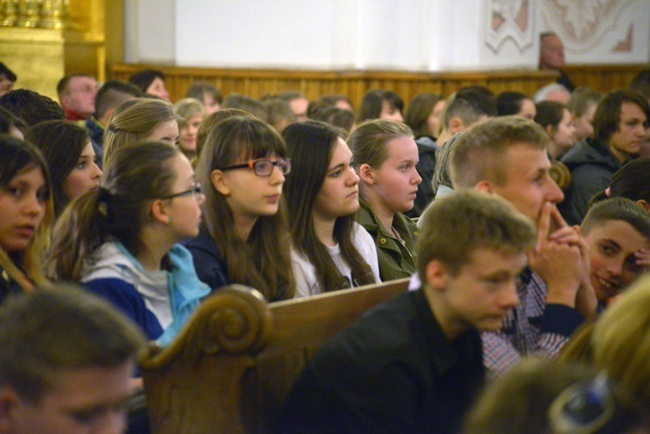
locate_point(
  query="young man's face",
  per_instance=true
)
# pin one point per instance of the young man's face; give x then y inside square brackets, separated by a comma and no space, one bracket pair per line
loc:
[484,290]
[87,400]
[528,183]
[81,96]
[612,245]
[631,131]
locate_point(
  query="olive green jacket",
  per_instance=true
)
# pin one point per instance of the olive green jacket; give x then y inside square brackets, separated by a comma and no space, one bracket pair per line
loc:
[396,258]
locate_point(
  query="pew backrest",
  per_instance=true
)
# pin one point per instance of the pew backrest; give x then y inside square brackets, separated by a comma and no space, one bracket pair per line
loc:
[233,364]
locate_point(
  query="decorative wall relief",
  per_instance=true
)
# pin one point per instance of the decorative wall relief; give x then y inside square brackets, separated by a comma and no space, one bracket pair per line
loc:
[508,19]
[583,24]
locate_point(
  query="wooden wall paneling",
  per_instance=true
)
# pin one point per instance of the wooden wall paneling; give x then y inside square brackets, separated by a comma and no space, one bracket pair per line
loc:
[354,84]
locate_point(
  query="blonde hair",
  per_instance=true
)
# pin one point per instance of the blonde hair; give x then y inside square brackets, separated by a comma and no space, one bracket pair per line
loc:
[619,342]
[133,122]
[479,153]
[368,141]
[188,108]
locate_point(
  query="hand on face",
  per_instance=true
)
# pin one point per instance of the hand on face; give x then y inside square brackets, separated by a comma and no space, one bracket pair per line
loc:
[643,258]
[561,258]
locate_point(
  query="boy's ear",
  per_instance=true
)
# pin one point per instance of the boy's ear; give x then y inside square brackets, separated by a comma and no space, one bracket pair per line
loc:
[437,275]
[643,204]
[455,126]
[8,401]
[484,187]
[366,174]
[218,181]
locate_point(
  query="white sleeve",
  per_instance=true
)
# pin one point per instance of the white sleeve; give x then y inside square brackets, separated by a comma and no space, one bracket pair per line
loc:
[305,275]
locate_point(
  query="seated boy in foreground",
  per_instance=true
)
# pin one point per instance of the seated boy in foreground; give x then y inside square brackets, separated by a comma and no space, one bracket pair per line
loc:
[66,362]
[415,363]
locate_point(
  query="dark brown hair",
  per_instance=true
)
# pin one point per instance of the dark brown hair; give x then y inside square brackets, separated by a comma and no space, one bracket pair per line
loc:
[311,146]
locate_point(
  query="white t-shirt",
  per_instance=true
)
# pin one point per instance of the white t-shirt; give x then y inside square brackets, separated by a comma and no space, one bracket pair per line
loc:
[305,273]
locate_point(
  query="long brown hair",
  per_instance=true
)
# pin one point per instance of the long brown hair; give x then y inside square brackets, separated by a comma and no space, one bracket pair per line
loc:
[19,156]
[138,174]
[311,146]
[262,261]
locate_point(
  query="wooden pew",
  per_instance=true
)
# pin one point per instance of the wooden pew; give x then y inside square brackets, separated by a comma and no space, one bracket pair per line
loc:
[235,361]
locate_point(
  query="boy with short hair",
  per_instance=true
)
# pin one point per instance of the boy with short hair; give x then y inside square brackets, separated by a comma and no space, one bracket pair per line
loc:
[617,232]
[66,363]
[415,363]
[508,157]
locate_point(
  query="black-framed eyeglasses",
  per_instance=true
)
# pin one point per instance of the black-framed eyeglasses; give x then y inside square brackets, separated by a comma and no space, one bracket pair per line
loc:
[263,167]
[195,191]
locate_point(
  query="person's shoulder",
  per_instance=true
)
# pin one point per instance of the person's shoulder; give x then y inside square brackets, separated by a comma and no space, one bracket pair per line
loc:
[202,244]
[111,285]
[360,234]
[382,330]
[366,218]
[116,290]
[426,144]
[586,151]
[401,220]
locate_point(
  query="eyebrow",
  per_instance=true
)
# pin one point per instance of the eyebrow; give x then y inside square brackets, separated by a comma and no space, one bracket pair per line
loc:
[338,166]
[609,240]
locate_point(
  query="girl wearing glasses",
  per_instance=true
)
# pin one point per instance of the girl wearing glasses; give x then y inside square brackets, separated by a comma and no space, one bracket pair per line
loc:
[330,250]
[26,213]
[385,156]
[244,236]
[121,241]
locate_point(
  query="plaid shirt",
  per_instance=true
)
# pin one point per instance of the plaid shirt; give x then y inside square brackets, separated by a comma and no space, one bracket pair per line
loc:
[533,327]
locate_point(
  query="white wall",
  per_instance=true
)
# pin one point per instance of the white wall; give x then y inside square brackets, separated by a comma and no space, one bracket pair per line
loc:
[150,31]
[430,35]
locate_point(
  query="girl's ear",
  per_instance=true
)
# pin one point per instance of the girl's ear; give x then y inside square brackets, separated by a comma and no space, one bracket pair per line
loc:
[366,174]
[158,211]
[219,182]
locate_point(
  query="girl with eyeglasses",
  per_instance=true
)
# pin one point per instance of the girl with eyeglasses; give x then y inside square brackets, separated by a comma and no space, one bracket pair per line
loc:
[121,241]
[330,250]
[244,237]
[26,214]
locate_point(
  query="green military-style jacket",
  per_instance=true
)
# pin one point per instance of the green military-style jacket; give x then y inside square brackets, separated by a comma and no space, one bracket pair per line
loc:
[396,258]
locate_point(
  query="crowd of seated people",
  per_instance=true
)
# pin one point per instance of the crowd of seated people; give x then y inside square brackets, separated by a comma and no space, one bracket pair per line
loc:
[296,198]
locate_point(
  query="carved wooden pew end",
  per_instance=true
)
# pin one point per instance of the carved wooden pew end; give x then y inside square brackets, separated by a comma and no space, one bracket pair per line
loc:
[235,361]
